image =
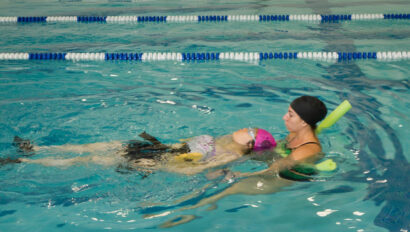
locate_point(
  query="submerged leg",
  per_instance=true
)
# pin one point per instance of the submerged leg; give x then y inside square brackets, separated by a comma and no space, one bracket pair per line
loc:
[249,186]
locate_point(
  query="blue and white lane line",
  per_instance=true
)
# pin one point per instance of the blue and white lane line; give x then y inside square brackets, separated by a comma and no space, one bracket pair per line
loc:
[209,56]
[204,18]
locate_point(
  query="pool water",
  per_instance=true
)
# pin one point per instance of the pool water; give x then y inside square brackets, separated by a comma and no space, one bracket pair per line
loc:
[60,102]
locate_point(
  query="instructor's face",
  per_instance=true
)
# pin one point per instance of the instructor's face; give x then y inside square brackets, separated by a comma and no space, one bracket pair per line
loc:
[292,121]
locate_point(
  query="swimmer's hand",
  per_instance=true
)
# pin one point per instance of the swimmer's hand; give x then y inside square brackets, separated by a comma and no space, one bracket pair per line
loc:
[215,174]
[273,169]
[228,175]
[243,174]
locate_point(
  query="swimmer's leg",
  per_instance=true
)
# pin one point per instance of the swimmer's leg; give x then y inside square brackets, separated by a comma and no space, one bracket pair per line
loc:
[210,200]
[83,148]
[177,221]
[96,159]
[192,195]
[57,162]
[105,160]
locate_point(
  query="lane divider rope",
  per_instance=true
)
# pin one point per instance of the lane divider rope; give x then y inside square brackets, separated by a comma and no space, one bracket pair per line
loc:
[206,18]
[209,56]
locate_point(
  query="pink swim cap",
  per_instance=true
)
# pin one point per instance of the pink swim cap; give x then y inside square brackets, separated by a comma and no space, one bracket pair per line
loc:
[264,140]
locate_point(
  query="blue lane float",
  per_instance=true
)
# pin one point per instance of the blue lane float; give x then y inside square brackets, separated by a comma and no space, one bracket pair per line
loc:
[213,18]
[46,56]
[86,19]
[274,17]
[336,18]
[211,56]
[31,19]
[330,18]
[396,16]
[200,56]
[123,56]
[147,18]
[279,55]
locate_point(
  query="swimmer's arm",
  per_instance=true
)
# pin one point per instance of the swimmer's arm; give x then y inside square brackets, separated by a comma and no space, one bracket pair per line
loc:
[273,169]
[299,155]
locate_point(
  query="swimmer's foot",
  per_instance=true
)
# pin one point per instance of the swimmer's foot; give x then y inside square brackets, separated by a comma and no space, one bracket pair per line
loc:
[4,161]
[23,145]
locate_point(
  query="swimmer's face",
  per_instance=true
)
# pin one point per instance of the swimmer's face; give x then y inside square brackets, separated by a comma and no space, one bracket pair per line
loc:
[292,121]
[242,137]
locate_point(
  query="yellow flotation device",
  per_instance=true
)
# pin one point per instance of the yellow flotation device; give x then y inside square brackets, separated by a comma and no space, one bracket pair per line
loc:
[188,157]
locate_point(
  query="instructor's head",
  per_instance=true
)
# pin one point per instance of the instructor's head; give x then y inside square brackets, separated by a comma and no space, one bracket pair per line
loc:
[304,111]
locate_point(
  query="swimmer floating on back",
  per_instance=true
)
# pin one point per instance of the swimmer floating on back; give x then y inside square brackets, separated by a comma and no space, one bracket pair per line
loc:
[192,156]
[301,144]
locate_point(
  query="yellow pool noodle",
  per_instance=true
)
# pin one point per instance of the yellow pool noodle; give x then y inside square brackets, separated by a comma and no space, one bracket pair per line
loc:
[334,116]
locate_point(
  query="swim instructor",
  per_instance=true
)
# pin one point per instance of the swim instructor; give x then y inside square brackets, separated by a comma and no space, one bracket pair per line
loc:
[300,120]
[301,146]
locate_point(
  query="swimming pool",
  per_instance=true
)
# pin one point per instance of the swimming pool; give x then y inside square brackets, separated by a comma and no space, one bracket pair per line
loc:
[59,101]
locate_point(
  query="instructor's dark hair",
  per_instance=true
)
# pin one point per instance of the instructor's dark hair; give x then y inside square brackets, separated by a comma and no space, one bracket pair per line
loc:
[310,109]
